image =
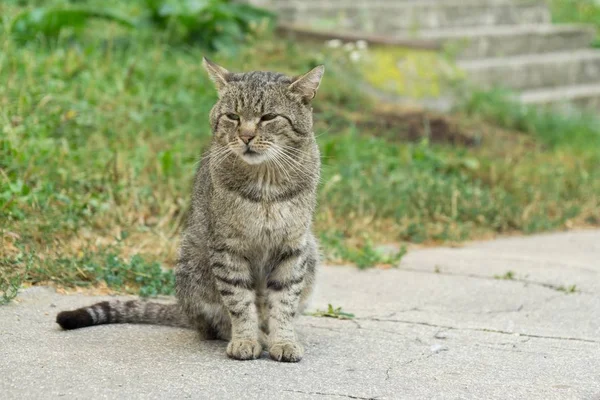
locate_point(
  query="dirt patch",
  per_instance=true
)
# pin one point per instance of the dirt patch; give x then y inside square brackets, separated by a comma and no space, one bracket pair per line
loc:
[401,124]
[417,125]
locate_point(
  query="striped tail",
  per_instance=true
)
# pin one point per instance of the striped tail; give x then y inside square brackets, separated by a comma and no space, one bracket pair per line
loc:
[121,312]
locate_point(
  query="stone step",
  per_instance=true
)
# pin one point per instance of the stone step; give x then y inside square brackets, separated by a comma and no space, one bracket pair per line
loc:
[585,96]
[501,41]
[535,70]
[393,17]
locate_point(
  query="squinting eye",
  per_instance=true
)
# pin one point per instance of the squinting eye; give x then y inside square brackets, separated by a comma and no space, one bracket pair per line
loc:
[268,117]
[234,117]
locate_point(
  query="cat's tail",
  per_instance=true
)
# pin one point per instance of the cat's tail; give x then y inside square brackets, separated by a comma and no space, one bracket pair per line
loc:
[117,312]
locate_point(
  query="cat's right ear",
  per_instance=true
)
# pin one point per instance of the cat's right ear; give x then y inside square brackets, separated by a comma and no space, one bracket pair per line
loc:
[218,74]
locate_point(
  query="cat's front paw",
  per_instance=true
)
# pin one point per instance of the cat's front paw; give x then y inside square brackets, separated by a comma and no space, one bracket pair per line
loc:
[244,349]
[286,351]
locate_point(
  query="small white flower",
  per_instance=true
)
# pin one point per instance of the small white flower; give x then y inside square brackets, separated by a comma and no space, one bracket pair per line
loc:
[349,46]
[362,44]
[334,43]
[355,56]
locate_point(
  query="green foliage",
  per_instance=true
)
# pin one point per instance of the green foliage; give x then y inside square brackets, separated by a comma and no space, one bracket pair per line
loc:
[151,279]
[333,312]
[579,11]
[103,265]
[13,273]
[508,276]
[363,256]
[49,22]
[567,289]
[213,24]
[554,128]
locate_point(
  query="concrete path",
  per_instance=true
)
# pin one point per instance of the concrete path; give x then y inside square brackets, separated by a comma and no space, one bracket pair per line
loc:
[418,334]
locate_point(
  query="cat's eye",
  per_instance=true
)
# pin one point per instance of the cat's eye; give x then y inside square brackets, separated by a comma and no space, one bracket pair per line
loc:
[268,117]
[234,117]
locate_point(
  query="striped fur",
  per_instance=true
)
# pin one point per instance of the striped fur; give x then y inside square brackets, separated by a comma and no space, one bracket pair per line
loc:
[247,258]
[119,312]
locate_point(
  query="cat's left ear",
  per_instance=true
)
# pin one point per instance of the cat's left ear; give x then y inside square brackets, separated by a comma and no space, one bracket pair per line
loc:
[219,75]
[306,85]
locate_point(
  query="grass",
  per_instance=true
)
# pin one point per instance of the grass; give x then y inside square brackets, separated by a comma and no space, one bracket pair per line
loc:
[333,312]
[575,130]
[567,289]
[363,254]
[101,131]
[508,276]
[577,11]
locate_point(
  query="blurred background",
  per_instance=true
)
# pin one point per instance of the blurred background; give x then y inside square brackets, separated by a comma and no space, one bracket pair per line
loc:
[439,122]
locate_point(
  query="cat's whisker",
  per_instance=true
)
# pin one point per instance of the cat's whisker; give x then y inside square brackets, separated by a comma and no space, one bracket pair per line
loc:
[289,168]
[299,152]
[294,165]
[222,156]
[300,163]
[292,150]
[216,153]
[296,168]
[277,159]
[303,165]
[295,152]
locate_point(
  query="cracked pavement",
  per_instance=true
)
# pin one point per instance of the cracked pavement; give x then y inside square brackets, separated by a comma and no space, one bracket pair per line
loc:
[418,334]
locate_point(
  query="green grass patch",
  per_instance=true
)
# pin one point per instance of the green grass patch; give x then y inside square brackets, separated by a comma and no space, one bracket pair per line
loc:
[363,255]
[90,268]
[577,11]
[575,129]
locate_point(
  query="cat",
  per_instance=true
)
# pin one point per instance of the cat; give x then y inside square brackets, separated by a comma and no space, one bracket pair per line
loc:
[247,259]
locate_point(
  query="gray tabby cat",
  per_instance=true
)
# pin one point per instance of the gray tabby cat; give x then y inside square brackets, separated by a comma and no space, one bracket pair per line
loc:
[247,259]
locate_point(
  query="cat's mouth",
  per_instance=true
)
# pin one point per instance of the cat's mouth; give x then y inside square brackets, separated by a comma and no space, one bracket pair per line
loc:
[253,157]
[251,153]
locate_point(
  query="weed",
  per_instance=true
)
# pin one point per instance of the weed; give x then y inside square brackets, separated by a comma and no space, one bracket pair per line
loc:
[13,273]
[91,267]
[364,255]
[215,25]
[567,289]
[333,312]
[50,22]
[578,130]
[580,11]
[509,276]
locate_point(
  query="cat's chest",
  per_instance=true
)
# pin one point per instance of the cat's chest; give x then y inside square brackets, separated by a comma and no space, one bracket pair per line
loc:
[270,221]
[261,221]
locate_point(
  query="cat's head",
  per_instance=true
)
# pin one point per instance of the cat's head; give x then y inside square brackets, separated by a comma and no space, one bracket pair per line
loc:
[260,115]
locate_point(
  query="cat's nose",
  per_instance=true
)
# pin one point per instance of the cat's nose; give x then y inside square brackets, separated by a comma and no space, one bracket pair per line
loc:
[246,138]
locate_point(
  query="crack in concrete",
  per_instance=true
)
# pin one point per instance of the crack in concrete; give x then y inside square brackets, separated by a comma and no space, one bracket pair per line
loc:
[324,327]
[558,288]
[448,327]
[417,359]
[358,326]
[509,310]
[514,349]
[349,396]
